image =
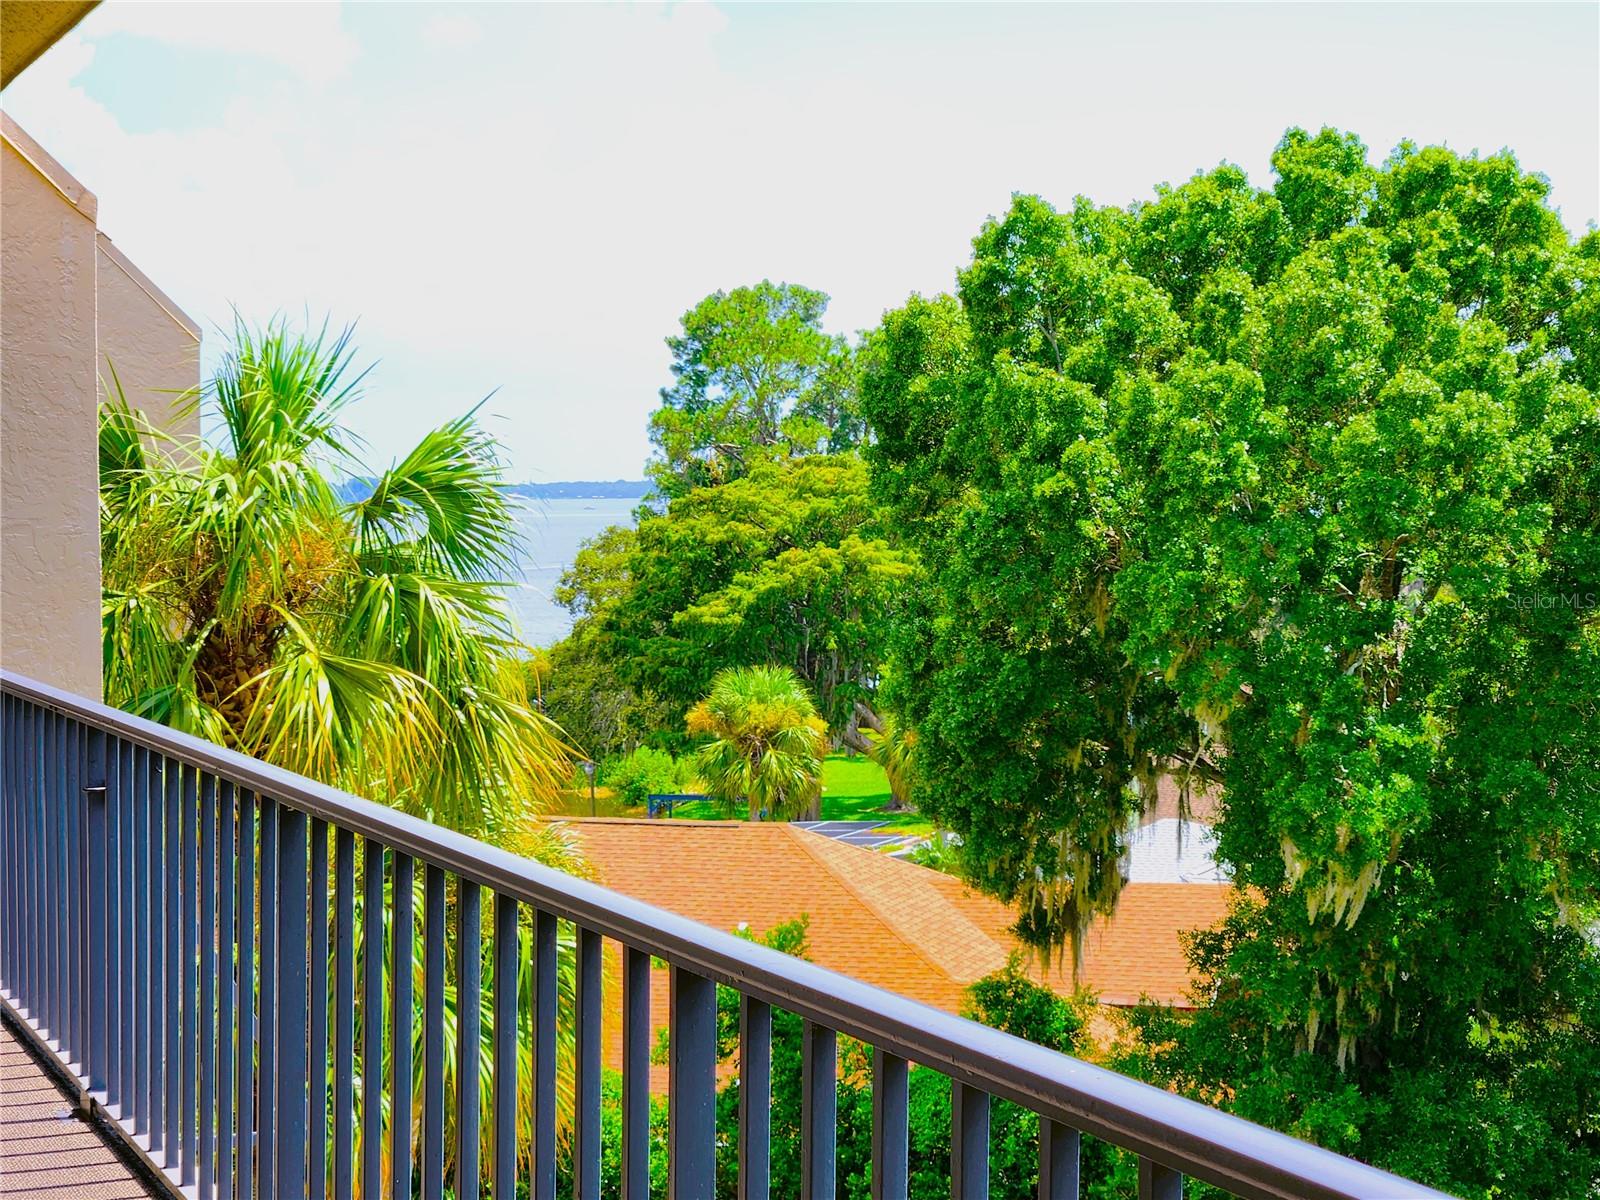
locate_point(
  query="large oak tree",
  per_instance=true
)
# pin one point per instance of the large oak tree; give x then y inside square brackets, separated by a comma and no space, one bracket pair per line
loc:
[1296,490]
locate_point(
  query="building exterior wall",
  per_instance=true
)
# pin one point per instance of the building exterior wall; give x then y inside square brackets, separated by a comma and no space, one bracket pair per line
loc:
[69,301]
[49,505]
[152,347]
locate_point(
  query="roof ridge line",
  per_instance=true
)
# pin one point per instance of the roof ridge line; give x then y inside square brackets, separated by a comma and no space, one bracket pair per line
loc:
[801,835]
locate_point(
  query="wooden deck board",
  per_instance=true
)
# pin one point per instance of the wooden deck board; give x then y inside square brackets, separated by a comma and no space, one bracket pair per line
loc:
[47,1151]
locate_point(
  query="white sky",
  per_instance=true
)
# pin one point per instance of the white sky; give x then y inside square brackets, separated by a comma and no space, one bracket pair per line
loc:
[527,198]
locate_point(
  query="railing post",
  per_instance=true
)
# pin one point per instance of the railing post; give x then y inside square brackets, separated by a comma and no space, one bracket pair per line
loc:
[543,1183]
[433,963]
[586,1070]
[96,1005]
[292,1039]
[372,1021]
[969,1142]
[635,1074]
[344,1016]
[469,1034]
[1058,1161]
[891,1096]
[755,1099]
[819,1108]
[402,938]
[1159,1182]
[691,1086]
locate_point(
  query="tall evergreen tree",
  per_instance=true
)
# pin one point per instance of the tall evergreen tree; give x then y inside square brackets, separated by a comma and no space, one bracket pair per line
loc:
[1296,491]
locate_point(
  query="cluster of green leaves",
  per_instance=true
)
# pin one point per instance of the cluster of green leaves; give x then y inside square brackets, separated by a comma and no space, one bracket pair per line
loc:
[368,643]
[645,772]
[1295,491]
[765,744]
[787,565]
[756,379]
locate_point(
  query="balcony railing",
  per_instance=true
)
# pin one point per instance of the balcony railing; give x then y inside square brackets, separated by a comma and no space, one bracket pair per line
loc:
[172,919]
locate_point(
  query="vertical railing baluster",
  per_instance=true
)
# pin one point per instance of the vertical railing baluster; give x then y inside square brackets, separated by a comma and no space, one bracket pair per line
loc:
[59,809]
[317,1053]
[172,876]
[969,1142]
[42,1001]
[143,1049]
[635,1074]
[161,997]
[267,1013]
[227,987]
[1158,1182]
[95,902]
[507,972]
[45,1002]
[190,934]
[53,811]
[8,757]
[8,845]
[50,995]
[586,1081]
[33,984]
[819,1106]
[125,934]
[15,928]
[433,938]
[58,823]
[372,1022]
[207,966]
[691,1085]
[1058,1161]
[291,1010]
[469,1034]
[28,910]
[344,1014]
[245,1049]
[38,999]
[17,744]
[544,1056]
[70,800]
[402,939]
[891,1098]
[755,1099]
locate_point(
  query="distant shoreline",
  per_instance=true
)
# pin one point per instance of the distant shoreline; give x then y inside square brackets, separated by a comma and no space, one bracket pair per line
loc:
[580,489]
[584,489]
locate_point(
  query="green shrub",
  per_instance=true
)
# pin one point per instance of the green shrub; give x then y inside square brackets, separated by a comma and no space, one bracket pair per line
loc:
[645,772]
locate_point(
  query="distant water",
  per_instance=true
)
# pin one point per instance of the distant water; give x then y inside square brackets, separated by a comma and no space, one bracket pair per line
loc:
[551,532]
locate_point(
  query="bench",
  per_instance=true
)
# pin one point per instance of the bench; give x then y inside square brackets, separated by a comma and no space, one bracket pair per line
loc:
[666,800]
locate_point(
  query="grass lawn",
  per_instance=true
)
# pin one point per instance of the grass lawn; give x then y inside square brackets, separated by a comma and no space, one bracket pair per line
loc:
[853,789]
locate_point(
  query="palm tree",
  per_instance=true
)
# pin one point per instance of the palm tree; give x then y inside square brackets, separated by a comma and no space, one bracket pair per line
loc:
[893,747]
[767,742]
[366,643]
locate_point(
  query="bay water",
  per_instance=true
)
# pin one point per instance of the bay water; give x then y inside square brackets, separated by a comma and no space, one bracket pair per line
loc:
[551,530]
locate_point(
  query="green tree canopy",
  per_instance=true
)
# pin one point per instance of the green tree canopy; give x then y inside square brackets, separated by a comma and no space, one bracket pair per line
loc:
[1296,490]
[786,565]
[756,378]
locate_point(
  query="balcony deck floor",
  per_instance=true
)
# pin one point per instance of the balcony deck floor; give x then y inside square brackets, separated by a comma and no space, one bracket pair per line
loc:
[47,1151]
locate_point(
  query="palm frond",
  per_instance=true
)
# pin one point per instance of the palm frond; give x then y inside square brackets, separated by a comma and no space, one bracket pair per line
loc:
[444,503]
[338,718]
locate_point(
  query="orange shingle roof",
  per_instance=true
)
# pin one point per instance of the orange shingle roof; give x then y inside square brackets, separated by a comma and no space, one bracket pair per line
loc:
[887,922]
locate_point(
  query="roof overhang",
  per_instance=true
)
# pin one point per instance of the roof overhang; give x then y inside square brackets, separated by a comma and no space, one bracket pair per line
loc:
[30,27]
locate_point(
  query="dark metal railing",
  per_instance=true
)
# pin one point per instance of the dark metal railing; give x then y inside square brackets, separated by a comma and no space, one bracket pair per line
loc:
[174,926]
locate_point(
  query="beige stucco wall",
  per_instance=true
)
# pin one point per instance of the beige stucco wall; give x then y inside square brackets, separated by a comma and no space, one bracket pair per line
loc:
[49,514]
[153,348]
[69,300]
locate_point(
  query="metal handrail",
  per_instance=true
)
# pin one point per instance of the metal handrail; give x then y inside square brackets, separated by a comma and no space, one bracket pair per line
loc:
[1244,1158]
